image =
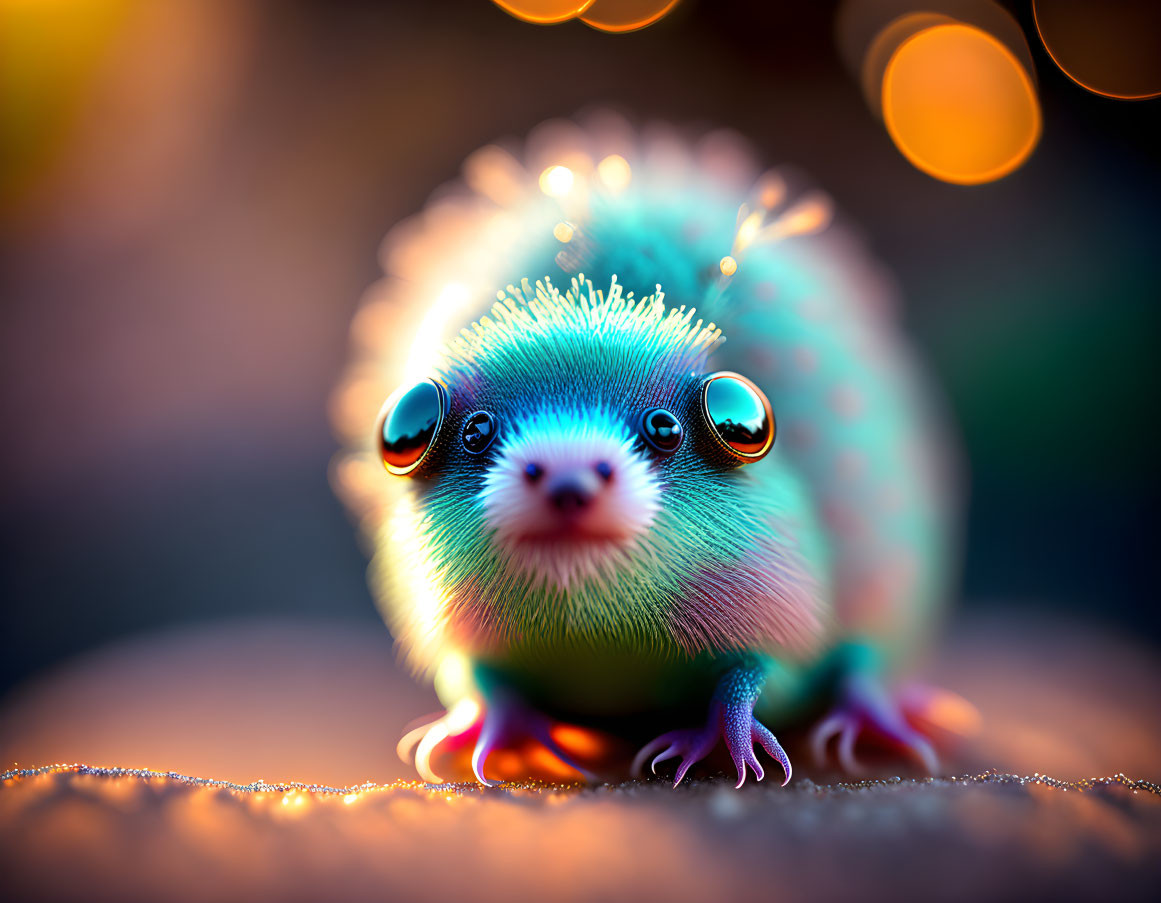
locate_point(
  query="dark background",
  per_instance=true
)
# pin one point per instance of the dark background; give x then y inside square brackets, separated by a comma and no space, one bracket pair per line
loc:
[184,253]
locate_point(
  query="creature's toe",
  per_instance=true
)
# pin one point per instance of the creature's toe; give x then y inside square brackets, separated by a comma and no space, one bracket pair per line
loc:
[508,723]
[668,753]
[668,746]
[741,735]
[879,715]
[740,731]
[700,749]
[690,745]
[484,746]
[468,734]
[761,735]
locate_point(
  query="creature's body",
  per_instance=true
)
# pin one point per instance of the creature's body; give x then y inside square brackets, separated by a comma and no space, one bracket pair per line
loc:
[588,564]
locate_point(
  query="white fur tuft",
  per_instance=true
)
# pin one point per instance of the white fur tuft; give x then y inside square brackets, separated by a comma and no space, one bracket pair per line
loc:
[537,539]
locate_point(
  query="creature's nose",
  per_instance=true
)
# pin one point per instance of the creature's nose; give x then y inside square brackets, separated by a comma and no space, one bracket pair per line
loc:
[572,491]
[569,496]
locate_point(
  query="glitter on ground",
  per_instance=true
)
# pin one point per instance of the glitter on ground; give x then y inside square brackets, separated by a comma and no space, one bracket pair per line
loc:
[147,836]
[323,703]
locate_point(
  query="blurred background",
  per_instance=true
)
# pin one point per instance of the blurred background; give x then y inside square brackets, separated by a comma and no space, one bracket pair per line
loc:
[192,195]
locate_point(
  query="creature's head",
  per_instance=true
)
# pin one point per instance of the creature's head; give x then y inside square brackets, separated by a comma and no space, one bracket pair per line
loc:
[578,477]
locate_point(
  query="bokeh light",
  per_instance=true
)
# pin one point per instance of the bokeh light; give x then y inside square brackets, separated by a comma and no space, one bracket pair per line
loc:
[958,104]
[1111,48]
[969,117]
[556,181]
[544,12]
[626,15]
[614,173]
[880,51]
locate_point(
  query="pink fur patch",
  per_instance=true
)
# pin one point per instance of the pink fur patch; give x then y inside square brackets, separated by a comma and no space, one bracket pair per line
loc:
[768,601]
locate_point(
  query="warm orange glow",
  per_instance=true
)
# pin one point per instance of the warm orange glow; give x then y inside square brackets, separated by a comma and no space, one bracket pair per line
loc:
[880,51]
[810,215]
[50,60]
[563,232]
[496,174]
[626,15]
[728,265]
[506,765]
[771,190]
[959,105]
[355,403]
[580,741]
[544,12]
[538,760]
[950,712]
[1112,48]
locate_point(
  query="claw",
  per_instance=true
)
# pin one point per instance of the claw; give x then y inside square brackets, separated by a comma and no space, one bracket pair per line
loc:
[647,750]
[734,724]
[868,708]
[822,735]
[504,723]
[846,748]
[686,765]
[923,751]
[769,742]
[484,746]
[668,753]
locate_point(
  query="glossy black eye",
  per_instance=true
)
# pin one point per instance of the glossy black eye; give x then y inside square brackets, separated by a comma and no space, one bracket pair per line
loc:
[479,432]
[411,422]
[738,415]
[661,430]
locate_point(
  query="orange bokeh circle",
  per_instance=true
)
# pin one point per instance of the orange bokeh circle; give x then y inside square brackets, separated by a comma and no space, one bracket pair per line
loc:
[544,12]
[1111,48]
[626,15]
[959,106]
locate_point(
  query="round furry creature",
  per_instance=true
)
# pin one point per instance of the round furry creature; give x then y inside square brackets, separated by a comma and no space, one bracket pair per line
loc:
[598,516]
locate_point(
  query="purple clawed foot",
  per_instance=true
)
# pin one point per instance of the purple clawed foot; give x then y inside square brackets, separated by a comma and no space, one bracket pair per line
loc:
[507,722]
[733,723]
[866,707]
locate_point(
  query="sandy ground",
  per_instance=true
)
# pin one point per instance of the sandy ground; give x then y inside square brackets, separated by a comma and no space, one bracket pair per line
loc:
[323,703]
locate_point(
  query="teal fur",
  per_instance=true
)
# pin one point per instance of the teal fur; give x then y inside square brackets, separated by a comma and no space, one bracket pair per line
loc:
[853,518]
[807,296]
[607,359]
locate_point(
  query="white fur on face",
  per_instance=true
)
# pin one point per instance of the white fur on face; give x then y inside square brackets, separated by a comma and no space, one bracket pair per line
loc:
[567,547]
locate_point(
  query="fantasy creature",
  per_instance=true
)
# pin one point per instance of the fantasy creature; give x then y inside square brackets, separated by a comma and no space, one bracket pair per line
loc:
[654,460]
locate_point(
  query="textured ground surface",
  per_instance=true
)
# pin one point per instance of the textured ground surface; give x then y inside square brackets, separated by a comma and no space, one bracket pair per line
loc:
[289,702]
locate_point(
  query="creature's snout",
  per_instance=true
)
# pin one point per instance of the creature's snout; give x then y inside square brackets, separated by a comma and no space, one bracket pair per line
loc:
[567,494]
[571,489]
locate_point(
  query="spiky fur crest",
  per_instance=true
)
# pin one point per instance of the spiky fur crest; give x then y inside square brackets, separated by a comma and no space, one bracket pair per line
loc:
[539,336]
[720,567]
